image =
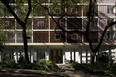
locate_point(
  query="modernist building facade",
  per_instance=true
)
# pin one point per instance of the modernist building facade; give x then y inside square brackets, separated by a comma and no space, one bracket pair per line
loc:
[46,41]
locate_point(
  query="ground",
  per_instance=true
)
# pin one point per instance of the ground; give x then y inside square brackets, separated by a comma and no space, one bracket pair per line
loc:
[64,71]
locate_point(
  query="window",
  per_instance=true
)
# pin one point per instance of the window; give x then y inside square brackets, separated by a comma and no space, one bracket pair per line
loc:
[56,1]
[94,22]
[55,24]
[57,36]
[110,20]
[7,13]
[110,35]
[74,36]
[20,10]
[57,10]
[109,9]
[74,10]
[19,36]
[6,23]
[6,35]
[1,12]
[40,23]
[9,35]
[12,1]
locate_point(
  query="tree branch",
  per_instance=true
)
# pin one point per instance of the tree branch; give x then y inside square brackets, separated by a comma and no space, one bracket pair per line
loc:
[6,3]
[29,11]
[103,34]
[56,21]
[90,16]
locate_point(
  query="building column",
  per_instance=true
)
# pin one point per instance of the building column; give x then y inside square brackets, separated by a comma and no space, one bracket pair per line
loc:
[37,55]
[0,56]
[47,55]
[31,56]
[80,56]
[110,57]
[63,56]
[74,56]
[12,52]
[16,56]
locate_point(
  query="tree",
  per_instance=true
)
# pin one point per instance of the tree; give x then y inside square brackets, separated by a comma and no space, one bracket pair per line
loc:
[1,41]
[22,22]
[89,8]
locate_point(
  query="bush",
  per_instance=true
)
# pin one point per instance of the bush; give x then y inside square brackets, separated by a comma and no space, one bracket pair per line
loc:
[40,65]
[96,69]
[83,67]
[47,65]
[21,59]
[28,66]
[8,63]
[103,61]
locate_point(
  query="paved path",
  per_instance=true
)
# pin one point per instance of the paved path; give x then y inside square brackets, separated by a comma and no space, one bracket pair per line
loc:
[64,71]
[68,71]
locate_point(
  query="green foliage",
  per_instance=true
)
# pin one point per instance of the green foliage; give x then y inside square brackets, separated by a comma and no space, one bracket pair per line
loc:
[9,64]
[82,67]
[113,69]
[2,40]
[47,65]
[94,69]
[103,60]
[40,65]
[23,65]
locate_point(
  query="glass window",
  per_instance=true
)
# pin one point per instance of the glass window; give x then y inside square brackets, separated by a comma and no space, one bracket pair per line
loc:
[9,36]
[57,10]
[94,22]
[55,24]
[12,1]
[74,36]
[74,10]
[57,36]
[19,36]
[6,23]
[55,1]
[40,23]
[110,20]
[20,10]
[110,9]
[110,35]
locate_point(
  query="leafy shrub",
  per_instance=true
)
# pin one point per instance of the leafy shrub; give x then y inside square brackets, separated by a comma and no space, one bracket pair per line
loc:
[21,59]
[88,68]
[8,63]
[28,66]
[40,65]
[47,65]
[103,61]
[83,67]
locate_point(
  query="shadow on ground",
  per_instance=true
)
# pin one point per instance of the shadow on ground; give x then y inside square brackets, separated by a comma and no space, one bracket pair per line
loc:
[7,72]
[64,71]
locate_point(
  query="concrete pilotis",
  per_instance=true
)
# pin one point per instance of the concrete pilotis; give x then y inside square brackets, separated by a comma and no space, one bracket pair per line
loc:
[32,56]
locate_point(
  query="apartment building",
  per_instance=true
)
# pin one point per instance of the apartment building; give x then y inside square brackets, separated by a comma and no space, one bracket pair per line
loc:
[46,40]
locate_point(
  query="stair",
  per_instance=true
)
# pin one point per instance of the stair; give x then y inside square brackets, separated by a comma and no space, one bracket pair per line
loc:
[65,67]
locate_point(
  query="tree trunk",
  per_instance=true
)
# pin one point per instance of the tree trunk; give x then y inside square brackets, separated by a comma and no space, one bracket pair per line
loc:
[25,45]
[93,58]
